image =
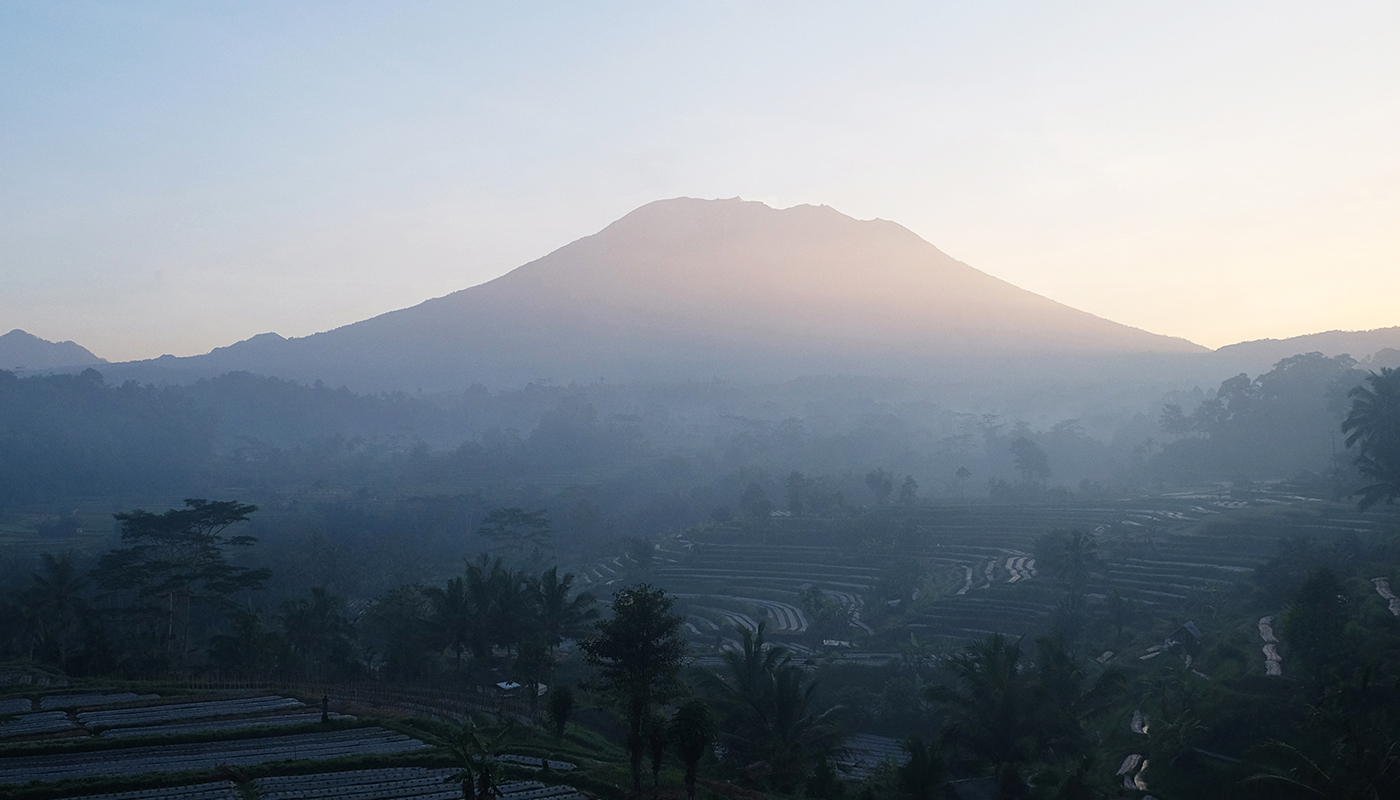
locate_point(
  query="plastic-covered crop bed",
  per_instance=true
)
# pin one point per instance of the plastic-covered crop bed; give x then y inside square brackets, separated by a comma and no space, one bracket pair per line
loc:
[206,755]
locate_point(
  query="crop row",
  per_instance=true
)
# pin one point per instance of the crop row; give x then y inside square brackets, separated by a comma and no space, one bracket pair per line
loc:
[219,790]
[219,725]
[124,717]
[859,756]
[205,755]
[53,701]
[399,783]
[16,705]
[34,724]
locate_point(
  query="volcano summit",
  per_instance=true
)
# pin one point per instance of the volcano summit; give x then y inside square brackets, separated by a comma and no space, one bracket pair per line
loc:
[688,289]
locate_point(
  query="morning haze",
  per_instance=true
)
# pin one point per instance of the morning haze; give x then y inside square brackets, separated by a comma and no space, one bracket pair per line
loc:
[1028,426]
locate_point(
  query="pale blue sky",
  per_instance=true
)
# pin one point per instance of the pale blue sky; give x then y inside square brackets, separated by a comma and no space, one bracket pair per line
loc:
[177,176]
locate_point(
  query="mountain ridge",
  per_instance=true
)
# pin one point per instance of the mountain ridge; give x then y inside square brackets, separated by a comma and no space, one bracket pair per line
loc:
[23,351]
[687,289]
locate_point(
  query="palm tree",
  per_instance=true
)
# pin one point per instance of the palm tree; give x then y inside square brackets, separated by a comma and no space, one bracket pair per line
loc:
[480,591]
[992,714]
[453,616]
[317,630]
[1374,424]
[511,610]
[791,734]
[475,758]
[768,709]
[56,601]
[1071,698]
[561,616]
[1072,556]
[923,772]
[657,742]
[691,732]
[249,650]
[748,669]
[561,707]
[1354,772]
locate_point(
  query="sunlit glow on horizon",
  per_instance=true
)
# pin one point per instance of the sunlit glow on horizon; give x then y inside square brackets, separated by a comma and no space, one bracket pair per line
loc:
[179,178]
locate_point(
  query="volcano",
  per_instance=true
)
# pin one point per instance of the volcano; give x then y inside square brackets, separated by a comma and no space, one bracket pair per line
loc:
[689,289]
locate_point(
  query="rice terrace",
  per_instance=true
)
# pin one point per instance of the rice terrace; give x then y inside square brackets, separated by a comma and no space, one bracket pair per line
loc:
[699,401]
[857,598]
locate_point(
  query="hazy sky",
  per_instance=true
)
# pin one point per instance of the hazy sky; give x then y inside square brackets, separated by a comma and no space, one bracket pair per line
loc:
[177,176]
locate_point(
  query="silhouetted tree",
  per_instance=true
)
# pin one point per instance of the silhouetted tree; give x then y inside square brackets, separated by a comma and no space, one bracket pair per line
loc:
[991,715]
[923,773]
[561,707]
[908,491]
[691,732]
[960,478]
[178,560]
[656,747]
[249,650]
[881,483]
[1031,461]
[517,530]
[1072,698]
[453,616]
[754,502]
[400,627]
[533,666]
[1315,621]
[768,713]
[561,615]
[798,487]
[829,616]
[474,756]
[1070,557]
[319,634]
[638,655]
[55,603]
[1373,427]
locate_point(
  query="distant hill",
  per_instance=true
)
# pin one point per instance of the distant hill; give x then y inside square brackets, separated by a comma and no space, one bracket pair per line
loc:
[20,351]
[1259,356]
[690,289]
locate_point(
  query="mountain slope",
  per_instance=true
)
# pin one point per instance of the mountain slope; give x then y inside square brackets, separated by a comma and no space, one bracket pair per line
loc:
[693,289]
[25,351]
[1260,355]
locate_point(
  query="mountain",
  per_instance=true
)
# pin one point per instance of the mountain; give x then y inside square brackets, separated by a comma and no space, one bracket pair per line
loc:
[689,289]
[21,351]
[1260,355]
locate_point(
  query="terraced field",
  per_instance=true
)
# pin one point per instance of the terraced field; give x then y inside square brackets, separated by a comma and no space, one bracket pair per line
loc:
[206,755]
[393,784]
[1161,552]
[125,715]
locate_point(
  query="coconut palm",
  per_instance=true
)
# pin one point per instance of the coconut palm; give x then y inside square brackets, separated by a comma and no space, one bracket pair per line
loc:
[317,631]
[1374,424]
[1071,696]
[921,775]
[657,744]
[992,716]
[453,616]
[480,589]
[691,733]
[788,731]
[562,616]
[768,713]
[55,598]
[512,608]
[249,650]
[561,707]
[746,669]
